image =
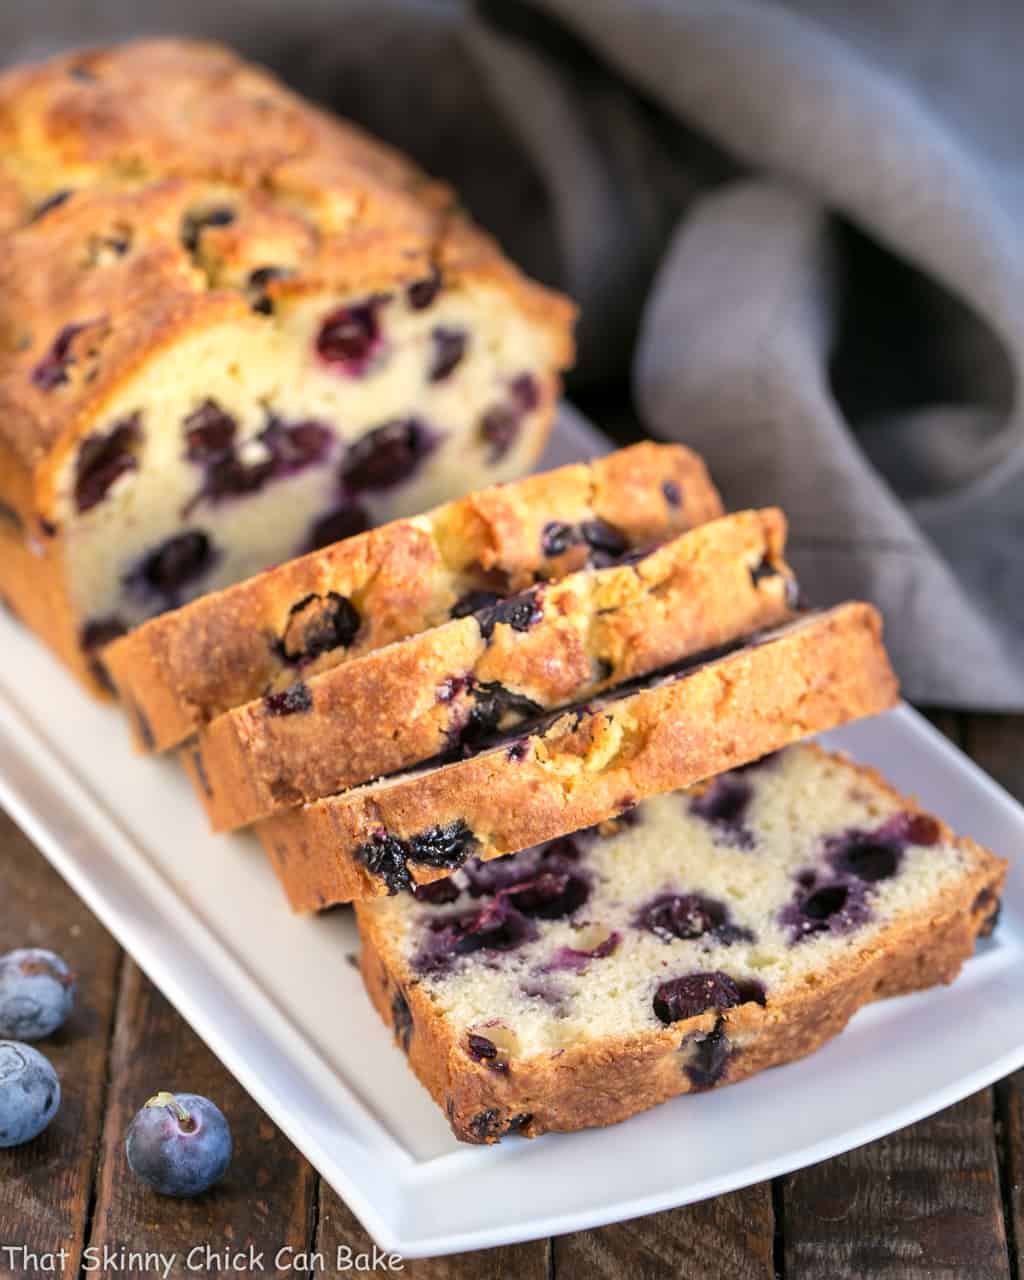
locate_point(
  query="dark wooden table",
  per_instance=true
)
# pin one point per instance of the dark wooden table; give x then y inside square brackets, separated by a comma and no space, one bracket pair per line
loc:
[943,1198]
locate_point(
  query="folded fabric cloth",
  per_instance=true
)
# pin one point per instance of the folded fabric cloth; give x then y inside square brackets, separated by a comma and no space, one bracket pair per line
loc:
[798,222]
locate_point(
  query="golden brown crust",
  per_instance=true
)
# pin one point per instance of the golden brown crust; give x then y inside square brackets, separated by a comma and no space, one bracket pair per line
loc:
[589,766]
[410,702]
[182,669]
[603,1082]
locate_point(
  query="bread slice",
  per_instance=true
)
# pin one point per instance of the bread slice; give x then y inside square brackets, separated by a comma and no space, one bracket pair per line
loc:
[439,692]
[234,329]
[700,938]
[181,670]
[590,764]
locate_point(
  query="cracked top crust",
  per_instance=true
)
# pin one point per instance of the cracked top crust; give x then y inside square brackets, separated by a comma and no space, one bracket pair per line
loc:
[162,184]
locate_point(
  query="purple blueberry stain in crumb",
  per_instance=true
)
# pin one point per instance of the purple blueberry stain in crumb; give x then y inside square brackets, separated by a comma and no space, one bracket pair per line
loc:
[687,916]
[835,906]
[103,459]
[387,456]
[724,803]
[452,687]
[340,522]
[289,702]
[351,336]
[525,391]
[671,493]
[495,927]
[280,450]
[449,346]
[173,567]
[10,517]
[317,624]
[694,994]
[520,612]
[194,224]
[578,960]
[401,1019]
[421,293]
[499,429]
[52,369]
[209,433]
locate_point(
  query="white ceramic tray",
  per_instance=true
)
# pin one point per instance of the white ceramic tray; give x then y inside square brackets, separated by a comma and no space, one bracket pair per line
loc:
[276,999]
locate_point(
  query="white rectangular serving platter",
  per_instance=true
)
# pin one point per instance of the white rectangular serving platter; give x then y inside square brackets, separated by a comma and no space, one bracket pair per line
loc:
[277,999]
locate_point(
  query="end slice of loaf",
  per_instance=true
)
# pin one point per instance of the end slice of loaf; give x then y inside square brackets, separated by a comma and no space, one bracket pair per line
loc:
[439,692]
[701,938]
[591,763]
[181,670]
[234,330]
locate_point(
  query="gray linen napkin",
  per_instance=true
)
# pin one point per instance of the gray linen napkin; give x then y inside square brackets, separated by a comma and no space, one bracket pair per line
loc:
[798,224]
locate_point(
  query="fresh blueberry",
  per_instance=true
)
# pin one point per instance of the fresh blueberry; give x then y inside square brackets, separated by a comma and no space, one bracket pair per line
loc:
[102,459]
[387,456]
[37,993]
[29,1093]
[179,1144]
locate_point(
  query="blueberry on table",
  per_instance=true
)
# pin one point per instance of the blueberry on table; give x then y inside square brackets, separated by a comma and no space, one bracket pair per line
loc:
[29,1093]
[179,1144]
[37,992]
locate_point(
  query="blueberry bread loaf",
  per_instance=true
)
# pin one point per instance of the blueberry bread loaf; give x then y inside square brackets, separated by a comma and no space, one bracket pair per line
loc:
[587,764]
[699,938]
[443,690]
[181,670]
[232,329]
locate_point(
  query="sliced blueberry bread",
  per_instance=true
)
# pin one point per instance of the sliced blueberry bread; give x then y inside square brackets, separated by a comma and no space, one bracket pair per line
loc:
[701,937]
[443,690]
[232,329]
[587,764]
[181,670]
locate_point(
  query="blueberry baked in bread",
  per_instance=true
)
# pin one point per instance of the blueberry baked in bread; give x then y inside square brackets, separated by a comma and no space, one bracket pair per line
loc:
[587,764]
[701,937]
[232,330]
[180,670]
[438,692]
